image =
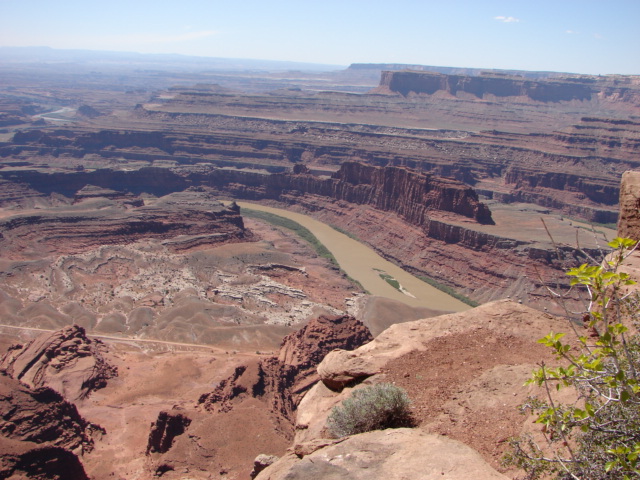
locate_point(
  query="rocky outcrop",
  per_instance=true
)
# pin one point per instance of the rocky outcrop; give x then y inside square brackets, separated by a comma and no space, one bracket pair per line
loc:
[280,382]
[165,429]
[303,350]
[629,223]
[41,434]
[385,455]
[261,462]
[65,360]
[252,411]
[565,89]
[463,372]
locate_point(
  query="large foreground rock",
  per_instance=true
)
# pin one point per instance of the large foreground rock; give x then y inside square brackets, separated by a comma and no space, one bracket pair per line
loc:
[629,221]
[464,372]
[394,454]
[340,367]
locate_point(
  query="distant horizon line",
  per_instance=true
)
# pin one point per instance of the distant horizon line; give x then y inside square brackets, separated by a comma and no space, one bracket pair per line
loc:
[282,63]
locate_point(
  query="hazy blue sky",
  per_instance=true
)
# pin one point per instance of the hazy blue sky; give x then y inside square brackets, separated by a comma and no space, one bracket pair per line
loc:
[584,36]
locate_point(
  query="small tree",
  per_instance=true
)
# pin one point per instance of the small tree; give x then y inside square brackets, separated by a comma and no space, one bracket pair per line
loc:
[598,436]
[376,407]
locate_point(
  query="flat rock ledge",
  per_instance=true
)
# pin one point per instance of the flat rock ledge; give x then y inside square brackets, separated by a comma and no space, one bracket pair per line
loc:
[394,454]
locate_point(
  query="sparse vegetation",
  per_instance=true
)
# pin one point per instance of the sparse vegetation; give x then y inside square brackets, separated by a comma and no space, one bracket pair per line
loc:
[344,232]
[298,229]
[597,436]
[375,407]
[389,279]
[448,290]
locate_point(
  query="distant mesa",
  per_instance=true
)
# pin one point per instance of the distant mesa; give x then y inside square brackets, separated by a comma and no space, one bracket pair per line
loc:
[561,89]
[473,72]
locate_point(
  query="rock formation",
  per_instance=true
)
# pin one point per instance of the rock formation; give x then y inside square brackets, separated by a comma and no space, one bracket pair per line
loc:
[260,394]
[65,360]
[629,223]
[41,434]
[164,430]
[544,90]
[100,221]
[463,372]
[282,381]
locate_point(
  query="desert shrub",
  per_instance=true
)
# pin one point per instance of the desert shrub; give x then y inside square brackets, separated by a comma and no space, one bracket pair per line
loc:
[598,435]
[375,407]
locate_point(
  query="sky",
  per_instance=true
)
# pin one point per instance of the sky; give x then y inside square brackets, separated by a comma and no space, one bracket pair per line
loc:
[579,36]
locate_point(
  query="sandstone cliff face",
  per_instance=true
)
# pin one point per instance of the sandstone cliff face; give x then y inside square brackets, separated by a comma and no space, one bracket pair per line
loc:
[548,90]
[629,223]
[410,194]
[41,434]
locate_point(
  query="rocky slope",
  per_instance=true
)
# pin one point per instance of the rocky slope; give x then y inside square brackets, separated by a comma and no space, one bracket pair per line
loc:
[42,435]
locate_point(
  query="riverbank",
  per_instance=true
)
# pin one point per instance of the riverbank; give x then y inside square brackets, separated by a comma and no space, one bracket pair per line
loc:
[368,268]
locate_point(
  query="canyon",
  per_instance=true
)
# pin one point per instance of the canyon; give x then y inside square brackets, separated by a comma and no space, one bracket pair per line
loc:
[144,315]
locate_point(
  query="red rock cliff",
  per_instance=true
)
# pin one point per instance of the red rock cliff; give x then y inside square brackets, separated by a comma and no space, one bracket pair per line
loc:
[548,90]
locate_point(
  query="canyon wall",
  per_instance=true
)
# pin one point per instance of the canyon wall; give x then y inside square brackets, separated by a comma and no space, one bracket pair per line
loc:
[412,195]
[429,225]
[577,171]
[581,88]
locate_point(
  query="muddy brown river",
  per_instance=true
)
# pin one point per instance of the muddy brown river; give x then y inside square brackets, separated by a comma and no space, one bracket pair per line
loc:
[365,265]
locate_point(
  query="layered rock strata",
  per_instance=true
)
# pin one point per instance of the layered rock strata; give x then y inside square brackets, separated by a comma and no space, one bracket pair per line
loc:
[584,161]
[100,221]
[625,88]
[65,360]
